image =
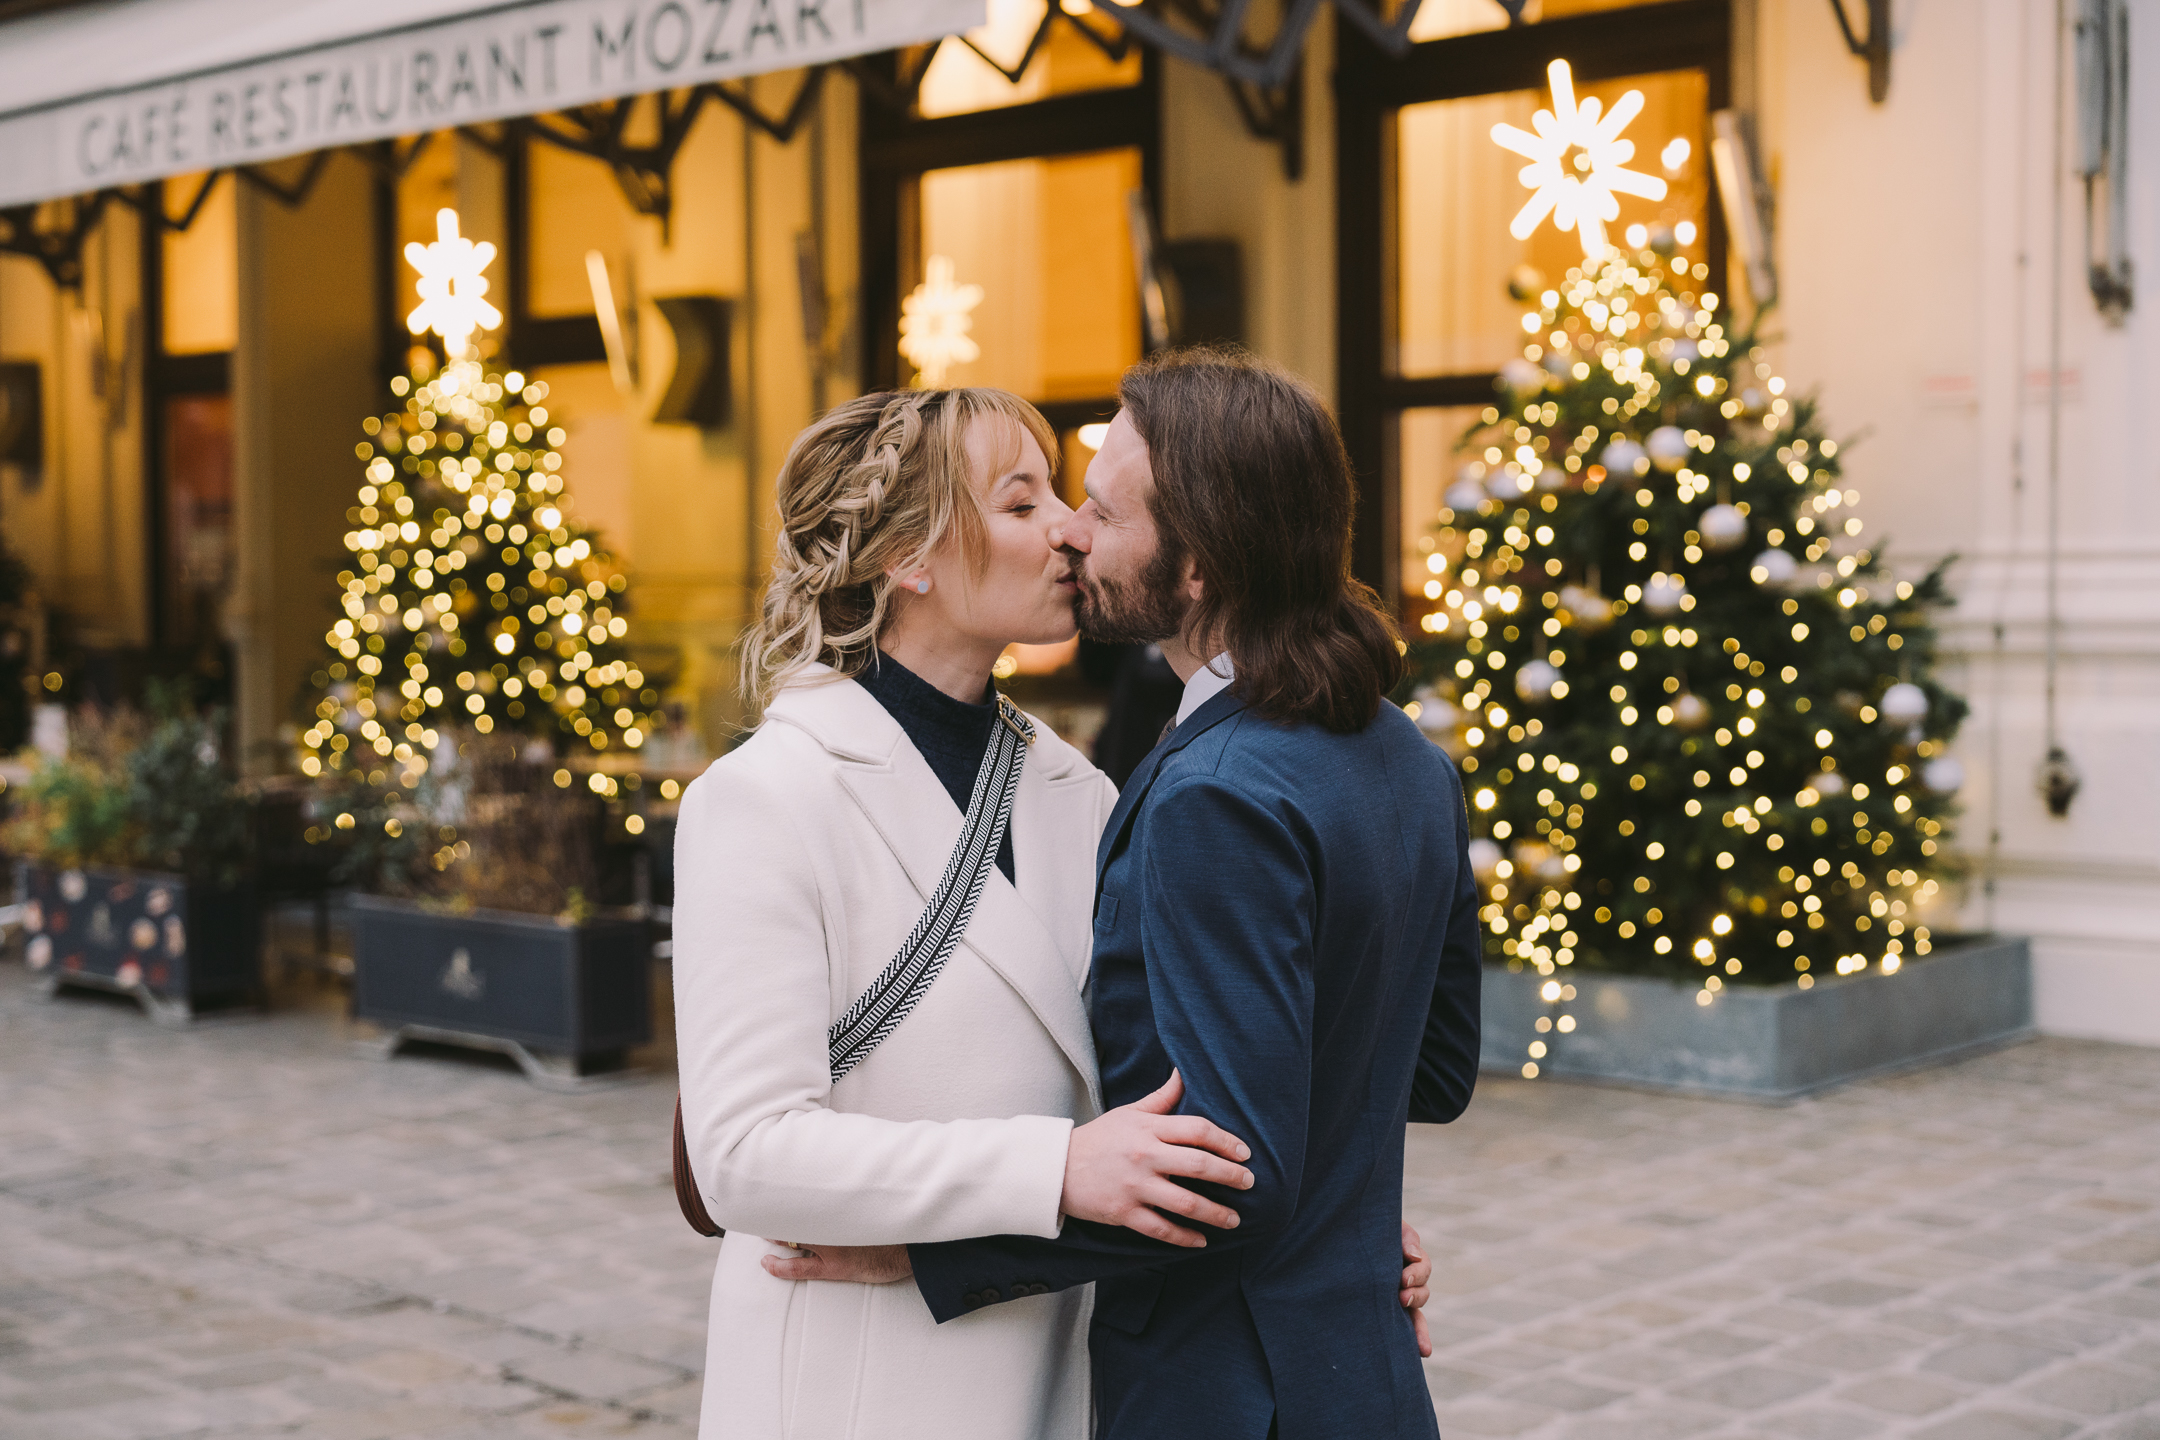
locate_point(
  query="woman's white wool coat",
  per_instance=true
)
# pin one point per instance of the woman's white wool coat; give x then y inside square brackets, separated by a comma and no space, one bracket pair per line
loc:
[803,859]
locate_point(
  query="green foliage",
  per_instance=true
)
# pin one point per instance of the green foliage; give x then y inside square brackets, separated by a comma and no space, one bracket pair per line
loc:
[474,598]
[1701,786]
[152,794]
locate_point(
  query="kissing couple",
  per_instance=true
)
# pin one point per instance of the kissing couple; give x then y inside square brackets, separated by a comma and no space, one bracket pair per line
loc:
[1033,1110]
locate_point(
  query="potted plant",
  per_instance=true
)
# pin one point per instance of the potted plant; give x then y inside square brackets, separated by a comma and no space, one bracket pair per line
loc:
[481,929]
[132,863]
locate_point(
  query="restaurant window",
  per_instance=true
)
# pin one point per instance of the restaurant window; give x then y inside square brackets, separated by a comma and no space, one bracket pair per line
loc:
[192,276]
[1035,192]
[1432,279]
[971,73]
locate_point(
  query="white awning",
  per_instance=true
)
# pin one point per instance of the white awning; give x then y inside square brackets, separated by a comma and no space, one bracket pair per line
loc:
[124,91]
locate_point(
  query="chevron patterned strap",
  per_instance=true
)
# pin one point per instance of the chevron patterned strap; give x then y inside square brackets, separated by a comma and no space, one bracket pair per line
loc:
[907,977]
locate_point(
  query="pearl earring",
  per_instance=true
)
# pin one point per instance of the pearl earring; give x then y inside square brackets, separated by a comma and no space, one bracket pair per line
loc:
[922,586]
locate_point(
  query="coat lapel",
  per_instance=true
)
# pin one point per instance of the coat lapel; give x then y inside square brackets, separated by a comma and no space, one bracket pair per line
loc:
[1217,708]
[909,808]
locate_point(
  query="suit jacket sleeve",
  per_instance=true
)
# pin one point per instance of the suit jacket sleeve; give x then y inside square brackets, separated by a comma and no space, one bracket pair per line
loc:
[753,999]
[1448,1059]
[1228,909]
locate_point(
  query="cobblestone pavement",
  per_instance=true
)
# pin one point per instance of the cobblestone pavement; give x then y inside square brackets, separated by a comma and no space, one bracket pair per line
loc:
[244,1229]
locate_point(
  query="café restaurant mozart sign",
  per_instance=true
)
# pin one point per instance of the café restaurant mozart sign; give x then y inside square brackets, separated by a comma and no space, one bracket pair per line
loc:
[491,64]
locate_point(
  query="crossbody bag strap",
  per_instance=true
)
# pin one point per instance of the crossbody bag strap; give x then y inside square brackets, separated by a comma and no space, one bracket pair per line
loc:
[908,976]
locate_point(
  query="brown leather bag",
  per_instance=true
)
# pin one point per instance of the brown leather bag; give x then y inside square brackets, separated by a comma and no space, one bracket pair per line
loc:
[686,1191]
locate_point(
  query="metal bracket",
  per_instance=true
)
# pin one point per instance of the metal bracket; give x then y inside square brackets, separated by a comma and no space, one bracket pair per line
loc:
[1875,49]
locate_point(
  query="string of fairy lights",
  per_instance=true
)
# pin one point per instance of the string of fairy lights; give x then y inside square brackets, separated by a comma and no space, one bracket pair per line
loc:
[1726,764]
[474,600]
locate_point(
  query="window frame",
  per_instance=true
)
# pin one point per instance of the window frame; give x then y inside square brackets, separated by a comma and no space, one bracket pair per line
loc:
[1371,396]
[896,149]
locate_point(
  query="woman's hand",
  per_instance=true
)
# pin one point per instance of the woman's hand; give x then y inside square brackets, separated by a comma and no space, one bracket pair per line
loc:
[1118,1165]
[1416,1277]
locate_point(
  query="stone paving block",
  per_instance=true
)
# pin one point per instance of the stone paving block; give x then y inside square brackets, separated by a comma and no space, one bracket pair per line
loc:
[1486,1417]
[1999,1425]
[1561,1393]
[1989,1359]
[1751,1387]
[1902,1394]
[1851,1294]
[1856,1349]
[2143,1427]
[590,1373]
[1813,1423]
[2096,1389]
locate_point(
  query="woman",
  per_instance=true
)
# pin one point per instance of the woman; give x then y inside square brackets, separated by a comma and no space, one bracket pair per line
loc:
[914,547]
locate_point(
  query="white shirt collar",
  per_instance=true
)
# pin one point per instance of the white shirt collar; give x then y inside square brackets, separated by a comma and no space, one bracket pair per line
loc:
[1206,682]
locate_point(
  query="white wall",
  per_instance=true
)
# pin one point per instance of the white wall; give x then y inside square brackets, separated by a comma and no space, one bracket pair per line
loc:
[1916,254]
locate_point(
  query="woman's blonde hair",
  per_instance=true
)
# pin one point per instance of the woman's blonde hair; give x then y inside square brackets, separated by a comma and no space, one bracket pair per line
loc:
[872,489]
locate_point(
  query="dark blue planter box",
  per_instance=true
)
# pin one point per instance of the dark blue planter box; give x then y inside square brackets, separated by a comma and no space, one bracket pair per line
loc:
[174,944]
[578,995]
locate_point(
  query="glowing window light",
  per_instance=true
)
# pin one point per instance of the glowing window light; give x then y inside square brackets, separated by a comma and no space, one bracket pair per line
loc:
[934,322]
[1571,135]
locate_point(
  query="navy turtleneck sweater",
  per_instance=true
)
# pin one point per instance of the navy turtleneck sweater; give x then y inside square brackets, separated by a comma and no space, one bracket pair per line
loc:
[950,734]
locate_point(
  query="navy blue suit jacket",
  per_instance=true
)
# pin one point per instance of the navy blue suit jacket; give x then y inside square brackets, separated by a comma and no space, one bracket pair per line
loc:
[1288,917]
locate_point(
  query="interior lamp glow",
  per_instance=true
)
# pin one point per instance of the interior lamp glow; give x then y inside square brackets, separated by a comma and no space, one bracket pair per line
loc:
[934,322]
[452,288]
[1577,163]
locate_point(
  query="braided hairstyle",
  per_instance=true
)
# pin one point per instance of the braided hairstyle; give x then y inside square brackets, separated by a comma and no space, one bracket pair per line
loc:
[870,490]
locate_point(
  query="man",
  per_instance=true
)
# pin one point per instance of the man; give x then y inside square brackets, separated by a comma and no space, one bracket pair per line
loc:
[1285,917]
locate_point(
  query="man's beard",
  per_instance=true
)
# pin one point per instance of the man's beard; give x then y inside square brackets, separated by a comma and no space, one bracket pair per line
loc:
[1142,613]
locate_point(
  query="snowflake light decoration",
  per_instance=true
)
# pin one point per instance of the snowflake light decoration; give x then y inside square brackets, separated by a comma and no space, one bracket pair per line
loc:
[1577,163]
[452,289]
[934,322]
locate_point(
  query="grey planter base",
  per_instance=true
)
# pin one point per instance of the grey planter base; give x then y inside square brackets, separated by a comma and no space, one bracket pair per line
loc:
[548,1072]
[1771,1043]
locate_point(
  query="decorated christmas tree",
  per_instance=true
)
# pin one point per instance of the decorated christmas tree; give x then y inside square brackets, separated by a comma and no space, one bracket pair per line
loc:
[1696,717]
[474,599]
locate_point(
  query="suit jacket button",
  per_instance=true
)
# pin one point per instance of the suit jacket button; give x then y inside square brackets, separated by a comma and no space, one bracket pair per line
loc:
[991,1295]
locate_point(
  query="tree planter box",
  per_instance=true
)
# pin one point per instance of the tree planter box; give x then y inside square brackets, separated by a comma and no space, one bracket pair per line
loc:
[1774,1042]
[562,1000]
[174,944]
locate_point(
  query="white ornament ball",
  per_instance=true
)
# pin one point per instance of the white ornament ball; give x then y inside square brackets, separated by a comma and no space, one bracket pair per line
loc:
[1686,350]
[1485,858]
[1624,457]
[1904,704]
[1691,712]
[1521,376]
[1589,610]
[1534,681]
[1437,714]
[1752,400]
[1775,569]
[1945,775]
[1668,448]
[1826,783]
[1723,527]
[1558,363]
[1663,594]
[1465,495]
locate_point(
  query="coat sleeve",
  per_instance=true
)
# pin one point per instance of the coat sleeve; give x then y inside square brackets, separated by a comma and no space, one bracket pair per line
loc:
[1447,1064]
[753,1000]
[1228,935]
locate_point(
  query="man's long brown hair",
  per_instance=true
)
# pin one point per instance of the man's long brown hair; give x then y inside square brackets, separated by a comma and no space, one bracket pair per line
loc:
[1251,481]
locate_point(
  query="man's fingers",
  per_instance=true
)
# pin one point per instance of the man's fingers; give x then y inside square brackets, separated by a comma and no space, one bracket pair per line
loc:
[1201,1134]
[1199,1165]
[1165,1100]
[808,1267]
[1424,1336]
[1415,1296]
[1413,1244]
[1416,1273]
[1164,1195]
